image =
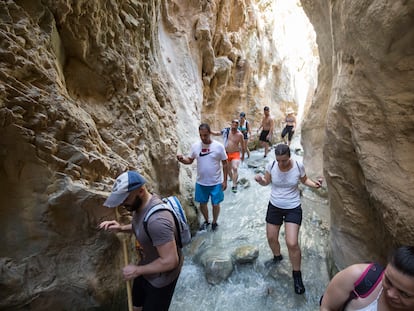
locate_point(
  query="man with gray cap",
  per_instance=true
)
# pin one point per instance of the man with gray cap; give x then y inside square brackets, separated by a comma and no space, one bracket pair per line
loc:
[161,260]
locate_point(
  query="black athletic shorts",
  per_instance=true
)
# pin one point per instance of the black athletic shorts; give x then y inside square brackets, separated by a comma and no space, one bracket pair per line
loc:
[152,298]
[276,216]
[263,136]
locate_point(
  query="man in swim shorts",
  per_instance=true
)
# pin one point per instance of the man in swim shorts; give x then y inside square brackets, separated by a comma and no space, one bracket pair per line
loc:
[234,143]
[267,130]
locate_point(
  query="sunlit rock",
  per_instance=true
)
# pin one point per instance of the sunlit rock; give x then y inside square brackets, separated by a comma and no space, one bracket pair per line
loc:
[245,254]
[217,266]
[364,100]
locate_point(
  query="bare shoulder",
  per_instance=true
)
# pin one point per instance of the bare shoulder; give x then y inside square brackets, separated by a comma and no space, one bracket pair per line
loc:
[353,272]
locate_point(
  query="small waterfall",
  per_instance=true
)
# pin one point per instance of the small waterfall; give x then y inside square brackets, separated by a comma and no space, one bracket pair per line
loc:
[253,286]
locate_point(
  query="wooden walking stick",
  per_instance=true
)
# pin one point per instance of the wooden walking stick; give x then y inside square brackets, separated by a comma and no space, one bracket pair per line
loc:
[126,262]
[128,283]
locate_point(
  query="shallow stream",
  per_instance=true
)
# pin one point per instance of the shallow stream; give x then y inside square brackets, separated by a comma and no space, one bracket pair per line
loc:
[253,286]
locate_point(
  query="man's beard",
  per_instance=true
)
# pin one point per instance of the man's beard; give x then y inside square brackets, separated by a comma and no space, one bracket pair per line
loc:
[135,205]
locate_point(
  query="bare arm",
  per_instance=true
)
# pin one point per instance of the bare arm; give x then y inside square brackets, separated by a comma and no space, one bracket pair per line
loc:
[114,226]
[167,261]
[241,142]
[340,287]
[225,169]
[263,180]
[308,182]
[215,133]
[261,126]
[272,127]
[185,160]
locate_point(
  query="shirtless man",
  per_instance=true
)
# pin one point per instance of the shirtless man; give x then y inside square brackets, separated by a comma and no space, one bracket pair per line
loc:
[267,127]
[234,143]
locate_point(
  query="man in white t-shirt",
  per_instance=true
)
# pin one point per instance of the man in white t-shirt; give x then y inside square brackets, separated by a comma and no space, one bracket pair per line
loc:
[211,170]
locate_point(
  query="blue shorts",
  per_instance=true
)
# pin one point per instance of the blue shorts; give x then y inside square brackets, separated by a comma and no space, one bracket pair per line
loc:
[203,193]
[276,216]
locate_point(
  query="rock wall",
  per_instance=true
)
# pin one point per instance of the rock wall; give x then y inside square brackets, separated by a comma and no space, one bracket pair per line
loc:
[365,102]
[82,100]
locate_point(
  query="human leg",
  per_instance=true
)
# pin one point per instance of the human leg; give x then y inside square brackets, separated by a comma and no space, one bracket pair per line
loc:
[204,211]
[235,173]
[263,145]
[292,231]
[290,134]
[229,170]
[217,196]
[272,234]
[216,212]
[274,220]
[234,167]
[138,293]
[292,243]
[202,194]
[157,299]
[284,132]
[267,147]
[293,221]
[245,146]
[264,141]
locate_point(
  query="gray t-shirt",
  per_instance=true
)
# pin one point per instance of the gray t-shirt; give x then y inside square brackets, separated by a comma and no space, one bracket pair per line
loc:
[161,227]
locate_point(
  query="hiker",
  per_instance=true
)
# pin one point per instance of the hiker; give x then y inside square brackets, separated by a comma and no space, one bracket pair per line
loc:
[267,127]
[211,173]
[234,145]
[393,290]
[244,127]
[285,206]
[156,275]
[289,129]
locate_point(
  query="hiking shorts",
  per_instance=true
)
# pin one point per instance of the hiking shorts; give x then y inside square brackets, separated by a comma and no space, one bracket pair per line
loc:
[152,298]
[233,156]
[276,216]
[263,136]
[203,193]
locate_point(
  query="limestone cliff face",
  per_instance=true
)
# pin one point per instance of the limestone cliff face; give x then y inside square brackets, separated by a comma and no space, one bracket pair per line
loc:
[82,99]
[365,101]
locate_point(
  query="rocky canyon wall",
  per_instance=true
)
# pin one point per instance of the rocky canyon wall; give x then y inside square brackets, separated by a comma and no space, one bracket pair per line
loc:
[83,98]
[364,102]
